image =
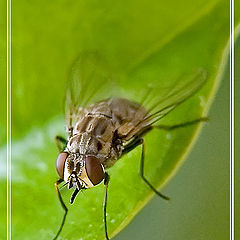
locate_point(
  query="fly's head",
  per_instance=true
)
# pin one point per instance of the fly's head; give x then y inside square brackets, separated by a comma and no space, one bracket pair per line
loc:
[79,171]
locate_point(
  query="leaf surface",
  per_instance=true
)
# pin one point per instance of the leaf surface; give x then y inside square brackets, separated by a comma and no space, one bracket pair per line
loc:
[146,42]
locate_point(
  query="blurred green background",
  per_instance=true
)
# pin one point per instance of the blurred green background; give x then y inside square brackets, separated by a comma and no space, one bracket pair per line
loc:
[46,37]
[200,191]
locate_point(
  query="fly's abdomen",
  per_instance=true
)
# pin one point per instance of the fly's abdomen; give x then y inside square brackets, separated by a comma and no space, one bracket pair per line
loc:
[128,117]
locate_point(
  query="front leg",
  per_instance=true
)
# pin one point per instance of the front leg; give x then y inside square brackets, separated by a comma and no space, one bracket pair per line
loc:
[63,206]
[106,182]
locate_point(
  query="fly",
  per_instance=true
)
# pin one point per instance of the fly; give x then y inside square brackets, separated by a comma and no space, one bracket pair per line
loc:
[102,132]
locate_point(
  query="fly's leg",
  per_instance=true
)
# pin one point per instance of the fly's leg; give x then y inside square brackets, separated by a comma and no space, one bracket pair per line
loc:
[106,182]
[164,127]
[134,143]
[144,178]
[63,206]
[181,125]
[138,140]
[61,143]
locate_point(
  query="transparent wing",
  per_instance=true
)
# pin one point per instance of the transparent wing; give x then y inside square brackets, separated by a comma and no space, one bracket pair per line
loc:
[89,82]
[87,77]
[159,102]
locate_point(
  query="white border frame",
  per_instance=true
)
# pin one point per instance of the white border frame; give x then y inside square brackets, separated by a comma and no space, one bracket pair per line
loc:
[232,105]
[9,118]
[8,121]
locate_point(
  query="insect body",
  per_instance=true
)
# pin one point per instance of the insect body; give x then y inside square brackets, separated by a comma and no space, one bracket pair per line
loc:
[100,133]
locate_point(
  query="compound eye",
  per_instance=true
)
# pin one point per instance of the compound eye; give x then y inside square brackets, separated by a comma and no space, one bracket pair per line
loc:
[60,163]
[94,169]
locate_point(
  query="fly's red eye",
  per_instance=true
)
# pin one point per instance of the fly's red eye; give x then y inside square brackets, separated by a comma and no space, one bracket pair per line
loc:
[94,170]
[60,163]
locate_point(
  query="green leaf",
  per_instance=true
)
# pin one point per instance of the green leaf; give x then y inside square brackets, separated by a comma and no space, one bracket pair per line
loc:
[145,42]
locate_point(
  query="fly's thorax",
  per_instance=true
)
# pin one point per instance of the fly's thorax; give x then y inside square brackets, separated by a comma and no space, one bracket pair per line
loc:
[80,171]
[95,125]
[104,146]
